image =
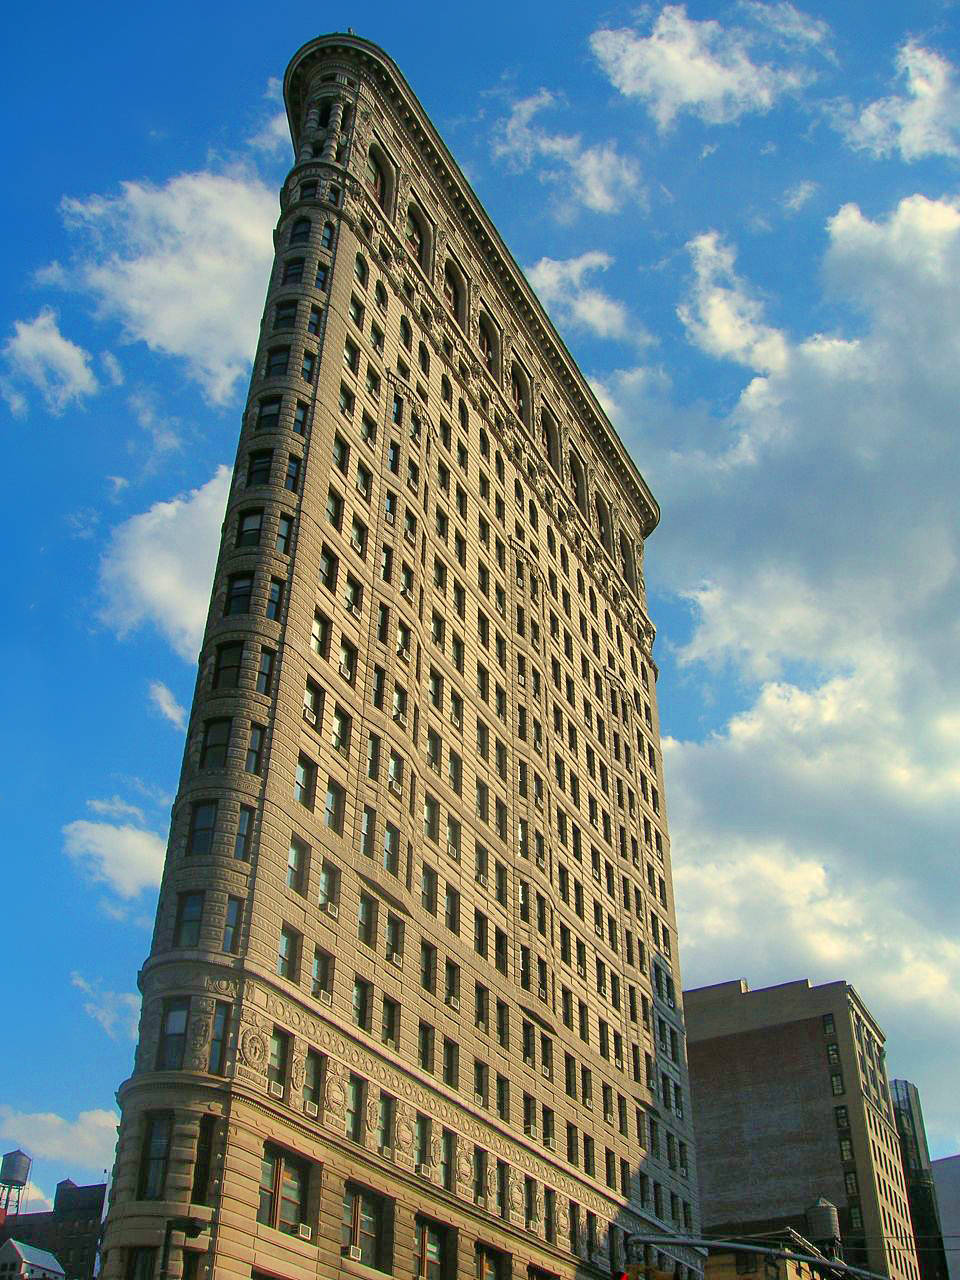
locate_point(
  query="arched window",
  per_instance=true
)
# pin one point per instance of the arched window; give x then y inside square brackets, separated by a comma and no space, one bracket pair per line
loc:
[380,294]
[551,439]
[423,355]
[453,292]
[627,561]
[520,391]
[406,333]
[604,523]
[326,236]
[488,343]
[300,231]
[360,269]
[376,180]
[578,481]
[413,233]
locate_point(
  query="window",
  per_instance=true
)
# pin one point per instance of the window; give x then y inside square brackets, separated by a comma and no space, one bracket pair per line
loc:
[186,931]
[390,1023]
[321,975]
[288,954]
[305,782]
[284,1180]
[430,1258]
[366,1220]
[297,854]
[362,1003]
[154,1154]
[334,805]
[173,1033]
[356,1099]
[244,834]
[254,757]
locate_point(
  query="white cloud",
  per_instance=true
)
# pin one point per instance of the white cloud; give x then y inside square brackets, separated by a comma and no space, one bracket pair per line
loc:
[89,1141]
[799,194]
[166,703]
[561,286]
[596,176]
[39,356]
[128,859]
[112,365]
[116,807]
[925,121]
[181,266]
[722,317]
[159,566]
[273,137]
[789,25]
[35,1199]
[812,530]
[117,1012]
[688,66]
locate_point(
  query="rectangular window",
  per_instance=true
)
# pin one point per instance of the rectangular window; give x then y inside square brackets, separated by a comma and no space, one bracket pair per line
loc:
[155,1154]
[367,1217]
[284,1182]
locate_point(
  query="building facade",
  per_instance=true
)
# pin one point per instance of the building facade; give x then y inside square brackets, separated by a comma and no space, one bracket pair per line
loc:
[70,1230]
[791,1103]
[918,1172]
[946,1178]
[411,999]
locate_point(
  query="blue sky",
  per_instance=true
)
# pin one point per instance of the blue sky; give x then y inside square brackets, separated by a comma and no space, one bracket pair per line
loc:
[745,220]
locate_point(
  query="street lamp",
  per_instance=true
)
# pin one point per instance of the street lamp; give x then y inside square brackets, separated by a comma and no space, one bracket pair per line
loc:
[191,1228]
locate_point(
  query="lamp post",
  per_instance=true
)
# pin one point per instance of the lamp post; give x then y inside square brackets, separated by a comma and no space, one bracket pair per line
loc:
[191,1228]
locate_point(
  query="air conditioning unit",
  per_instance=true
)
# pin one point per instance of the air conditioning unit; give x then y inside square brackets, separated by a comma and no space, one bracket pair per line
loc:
[618,1063]
[345,671]
[390,517]
[482,880]
[521,680]
[479,1099]
[582,970]
[407,594]
[387,1153]
[310,715]
[454,852]
[354,1253]
[333,911]
[545,1071]
[480,1201]
[394,957]
[530,1130]
[357,546]
[395,787]
[354,609]
[311,1108]
[275,1088]
[454,1003]
[304,1231]
[401,718]
[541,861]
[424,1170]
[550,1144]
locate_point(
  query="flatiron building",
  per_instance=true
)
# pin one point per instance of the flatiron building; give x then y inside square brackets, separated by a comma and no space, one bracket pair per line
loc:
[411,1002]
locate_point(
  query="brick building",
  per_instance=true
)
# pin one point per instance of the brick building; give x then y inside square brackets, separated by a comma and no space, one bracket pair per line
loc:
[791,1103]
[411,1000]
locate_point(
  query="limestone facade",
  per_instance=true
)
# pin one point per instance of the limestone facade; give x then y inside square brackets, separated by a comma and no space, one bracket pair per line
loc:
[411,1005]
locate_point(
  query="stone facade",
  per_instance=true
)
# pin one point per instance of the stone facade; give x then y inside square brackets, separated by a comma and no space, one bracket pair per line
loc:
[410,1002]
[791,1103]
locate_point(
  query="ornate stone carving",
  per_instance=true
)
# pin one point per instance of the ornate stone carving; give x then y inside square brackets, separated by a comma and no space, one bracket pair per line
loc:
[335,1102]
[253,1048]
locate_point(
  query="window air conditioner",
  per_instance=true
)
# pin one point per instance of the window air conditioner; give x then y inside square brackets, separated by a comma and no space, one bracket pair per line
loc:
[354,1253]
[304,1231]
[310,715]
[311,1108]
[275,1088]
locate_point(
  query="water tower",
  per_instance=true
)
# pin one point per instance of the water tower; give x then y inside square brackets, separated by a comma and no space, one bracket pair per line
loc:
[14,1176]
